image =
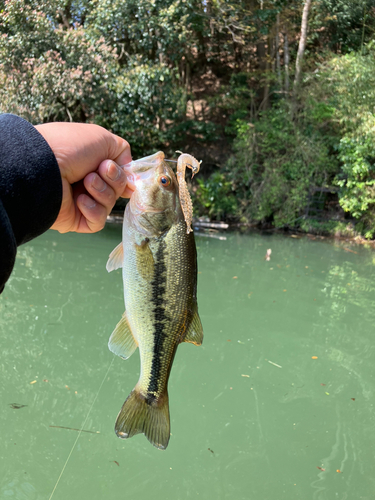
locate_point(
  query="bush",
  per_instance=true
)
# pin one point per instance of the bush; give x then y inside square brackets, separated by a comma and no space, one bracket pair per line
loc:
[214,198]
[348,83]
[277,159]
[147,102]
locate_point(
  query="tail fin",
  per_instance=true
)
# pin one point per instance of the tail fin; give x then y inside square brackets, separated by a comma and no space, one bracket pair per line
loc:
[140,415]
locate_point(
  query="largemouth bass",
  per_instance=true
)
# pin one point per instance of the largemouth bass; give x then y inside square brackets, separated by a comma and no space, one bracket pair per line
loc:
[159,264]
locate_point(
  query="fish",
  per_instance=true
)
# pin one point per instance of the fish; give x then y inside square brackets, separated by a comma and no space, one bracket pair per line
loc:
[159,268]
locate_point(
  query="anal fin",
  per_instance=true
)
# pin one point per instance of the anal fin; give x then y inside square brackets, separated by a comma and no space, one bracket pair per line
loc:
[121,342]
[194,334]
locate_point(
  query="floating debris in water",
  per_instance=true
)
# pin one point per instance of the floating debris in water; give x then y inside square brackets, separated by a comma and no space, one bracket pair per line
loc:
[16,406]
[274,364]
[73,429]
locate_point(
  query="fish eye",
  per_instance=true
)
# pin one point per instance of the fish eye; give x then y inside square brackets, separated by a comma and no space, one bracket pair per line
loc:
[164,180]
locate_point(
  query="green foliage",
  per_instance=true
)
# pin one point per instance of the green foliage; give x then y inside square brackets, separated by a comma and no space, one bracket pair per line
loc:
[154,31]
[357,180]
[147,103]
[55,69]
[235,99]
[214,197]
[348,83]
[48,72]
[277,159]
[137,66]
[344,25]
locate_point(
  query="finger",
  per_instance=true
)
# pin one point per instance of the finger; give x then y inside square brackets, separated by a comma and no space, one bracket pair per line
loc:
[94,215]
[115,177]
[100,191]
[121,152]
[80,147]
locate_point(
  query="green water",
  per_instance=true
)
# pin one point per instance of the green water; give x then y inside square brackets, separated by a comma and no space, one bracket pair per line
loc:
[253,415]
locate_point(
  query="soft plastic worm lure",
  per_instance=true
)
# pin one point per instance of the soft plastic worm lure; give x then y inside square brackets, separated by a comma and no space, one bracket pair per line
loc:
[185,160]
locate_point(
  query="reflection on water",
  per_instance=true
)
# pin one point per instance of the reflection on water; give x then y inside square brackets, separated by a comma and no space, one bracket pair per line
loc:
[276,404]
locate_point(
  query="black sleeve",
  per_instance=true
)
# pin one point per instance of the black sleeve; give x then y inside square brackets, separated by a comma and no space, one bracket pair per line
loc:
[30,188]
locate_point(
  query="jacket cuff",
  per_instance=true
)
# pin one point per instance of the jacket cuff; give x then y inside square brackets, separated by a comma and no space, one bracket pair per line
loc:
[30,179]
[8,247]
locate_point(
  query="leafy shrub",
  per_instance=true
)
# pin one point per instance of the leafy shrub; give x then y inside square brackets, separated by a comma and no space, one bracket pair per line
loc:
[147,102]
[48,72]
[348,83]
[214,197]
[277,159]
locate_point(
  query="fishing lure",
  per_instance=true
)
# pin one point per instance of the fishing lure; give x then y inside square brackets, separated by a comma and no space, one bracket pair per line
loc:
[186,160]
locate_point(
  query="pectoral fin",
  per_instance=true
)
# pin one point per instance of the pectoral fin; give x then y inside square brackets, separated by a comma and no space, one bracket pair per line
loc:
[122,342]
[116,258]
[194,334]
[145,260]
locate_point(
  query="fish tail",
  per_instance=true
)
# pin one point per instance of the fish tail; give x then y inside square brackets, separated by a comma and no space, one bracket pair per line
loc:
[148,416]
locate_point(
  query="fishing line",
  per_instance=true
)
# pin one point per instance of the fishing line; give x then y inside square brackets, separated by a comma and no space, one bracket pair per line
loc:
[80,431]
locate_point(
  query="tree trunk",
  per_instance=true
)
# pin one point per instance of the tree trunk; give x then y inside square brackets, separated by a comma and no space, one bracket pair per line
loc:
[263,65]
[277,48]
[301,45]
[286,62]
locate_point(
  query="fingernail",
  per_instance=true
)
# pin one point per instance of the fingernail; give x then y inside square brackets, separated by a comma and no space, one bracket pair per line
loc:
[113,171]
[88,202]
[98,183]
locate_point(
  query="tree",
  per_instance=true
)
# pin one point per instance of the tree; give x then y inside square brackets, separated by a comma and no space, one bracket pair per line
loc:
[50,70]
[301,45]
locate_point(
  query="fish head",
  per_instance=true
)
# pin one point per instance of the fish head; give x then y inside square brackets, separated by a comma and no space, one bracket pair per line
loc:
[154,206]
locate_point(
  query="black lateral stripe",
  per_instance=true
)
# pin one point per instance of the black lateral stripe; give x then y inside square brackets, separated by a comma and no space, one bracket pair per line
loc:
[160,336]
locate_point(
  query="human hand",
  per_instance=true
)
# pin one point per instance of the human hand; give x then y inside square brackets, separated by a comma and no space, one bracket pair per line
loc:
[88,157]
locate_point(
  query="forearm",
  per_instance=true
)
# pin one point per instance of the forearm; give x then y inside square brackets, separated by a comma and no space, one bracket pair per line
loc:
[30,188]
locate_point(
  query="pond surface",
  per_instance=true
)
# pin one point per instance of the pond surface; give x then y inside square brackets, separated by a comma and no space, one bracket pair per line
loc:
[278,403]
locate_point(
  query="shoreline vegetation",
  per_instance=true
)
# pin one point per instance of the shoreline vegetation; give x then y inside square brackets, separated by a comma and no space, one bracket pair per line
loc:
[218,230]
[277,98]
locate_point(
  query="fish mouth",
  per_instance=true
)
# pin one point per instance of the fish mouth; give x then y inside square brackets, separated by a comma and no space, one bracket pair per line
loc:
[142,169]
[133,178]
